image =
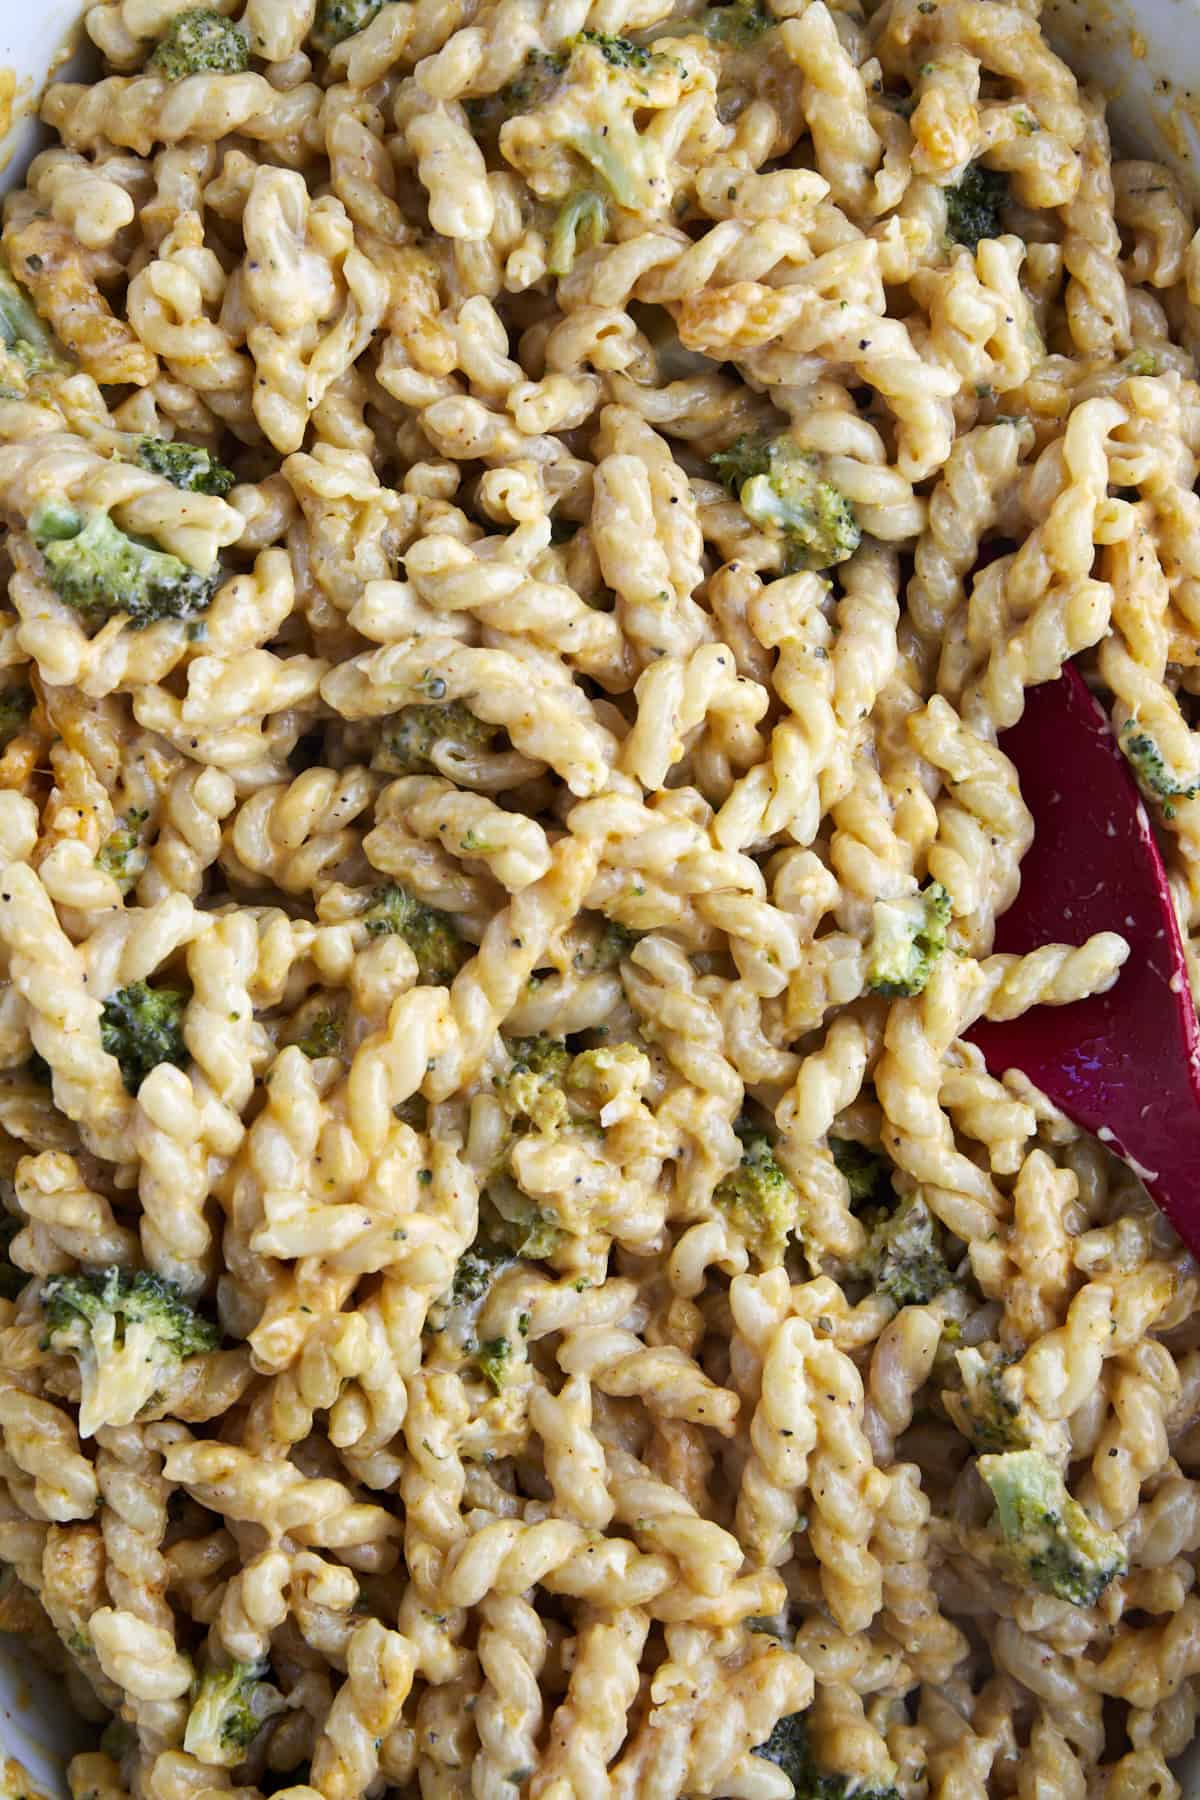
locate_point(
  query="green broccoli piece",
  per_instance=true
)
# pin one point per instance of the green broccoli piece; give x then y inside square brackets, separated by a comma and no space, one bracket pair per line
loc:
[493,1359]
[758,1199]
[477,1268]
[907,938]
[143,1026]
[322,1036]
[1048,1537]
[31,346]
[618,51]
[906,1260]
[229,1709]
[185,466]
[518,1224]
[534,1086]
[591,1070]
[988,1410]
[1153,776]
[16,704]
[416,731]
[101,571]
[128,1330]
[456,1311]
[788,1747]
[200,42]
[974,205]
[610,947]
[432,936]
[122,854]
[337,20]
[779,487]
[540,77]
[581,223]
[741,23]
[868,1175]
[615,153]
[1141,362]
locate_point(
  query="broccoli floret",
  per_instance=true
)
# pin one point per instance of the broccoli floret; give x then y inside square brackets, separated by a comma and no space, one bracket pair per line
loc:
[614,151]
[415,732]
[988,1411]
[788,1747]
[779,487]
[122,854]
[759,1200]
[99,570]
[337,20]
[477,1268]
[868,1175]
[1141,362]
[29,344]
[533,1087]
[1048,1537]
[143,1026]
[974,205]
[493,1359]
[432,936]
[16,704]
[1154,778]
[618,51]
[128,1331]
[906,1260]
[229,1709]
[581,223]
[741,23]
[185,466]
[322,1036]
[907,937]
[197,42]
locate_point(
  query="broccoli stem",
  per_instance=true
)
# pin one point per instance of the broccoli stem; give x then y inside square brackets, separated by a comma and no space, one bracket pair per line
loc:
[22,332]
[580,225]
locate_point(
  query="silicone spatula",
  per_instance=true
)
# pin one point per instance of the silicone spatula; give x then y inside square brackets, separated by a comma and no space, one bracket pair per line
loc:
[1124,1065]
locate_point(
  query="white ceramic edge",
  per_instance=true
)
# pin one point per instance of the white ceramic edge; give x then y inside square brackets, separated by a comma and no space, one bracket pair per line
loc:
[1145,54]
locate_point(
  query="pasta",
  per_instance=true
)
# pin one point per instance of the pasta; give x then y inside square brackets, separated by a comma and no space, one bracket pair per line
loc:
[524,523]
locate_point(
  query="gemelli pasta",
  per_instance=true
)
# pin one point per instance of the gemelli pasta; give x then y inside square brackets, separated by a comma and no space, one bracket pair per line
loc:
[524,524]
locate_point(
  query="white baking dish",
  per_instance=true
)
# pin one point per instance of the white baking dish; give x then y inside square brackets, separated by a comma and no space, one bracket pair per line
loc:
[1145,54]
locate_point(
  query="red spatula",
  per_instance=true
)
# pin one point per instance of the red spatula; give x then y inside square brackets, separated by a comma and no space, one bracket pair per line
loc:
[1124,1065]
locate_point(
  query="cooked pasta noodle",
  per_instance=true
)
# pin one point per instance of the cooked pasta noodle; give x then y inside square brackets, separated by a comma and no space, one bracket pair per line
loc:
[524,526]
